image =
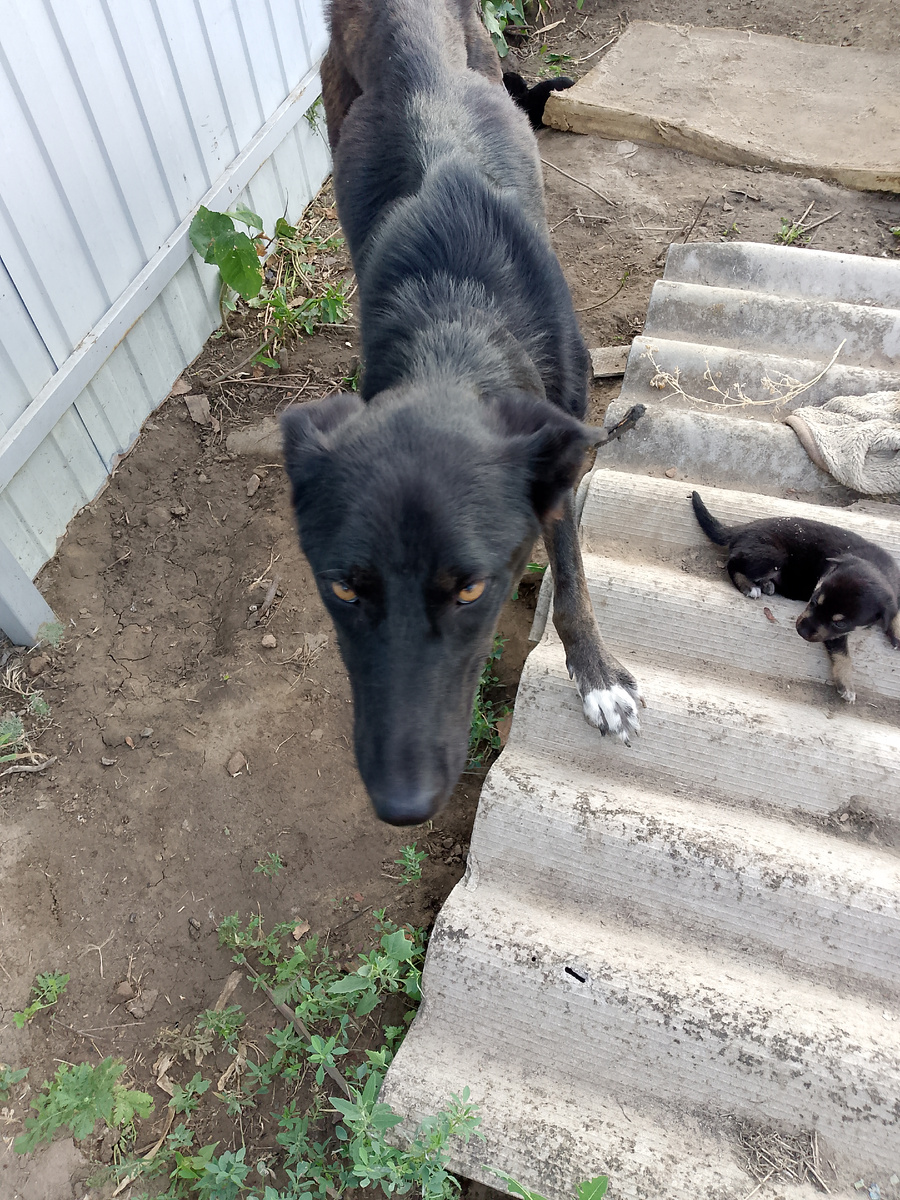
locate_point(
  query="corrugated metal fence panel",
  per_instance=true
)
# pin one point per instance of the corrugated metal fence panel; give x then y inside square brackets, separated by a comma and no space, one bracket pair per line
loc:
[119,115]
[25,363]
[107,417]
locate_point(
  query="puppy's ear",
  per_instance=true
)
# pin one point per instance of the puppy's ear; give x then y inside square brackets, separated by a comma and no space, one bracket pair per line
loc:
[548,443]
[308,431]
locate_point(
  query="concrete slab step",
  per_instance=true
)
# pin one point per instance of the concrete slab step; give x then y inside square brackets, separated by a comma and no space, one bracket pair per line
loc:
[712,446]
[632,514]
[679,618]
[787,271]
[739,372]
[551,1133]
[868,336]
[818,903]
[671,1023]
[736,745]
[742,97]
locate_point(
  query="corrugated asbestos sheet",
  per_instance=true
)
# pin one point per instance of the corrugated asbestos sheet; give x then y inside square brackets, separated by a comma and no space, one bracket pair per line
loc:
[666,962]
[118,120]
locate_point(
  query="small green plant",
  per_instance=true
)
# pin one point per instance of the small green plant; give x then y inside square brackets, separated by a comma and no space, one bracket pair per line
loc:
[590,1189]
[8,1079]
[225,1024]
[731,231]
[271,866]
[498,16]
[553,64]
[315,115]
[45,992]
[186,1098]
[273,275]
[77,1097]
[791,233]
[487,713]
[51,632]
[410,863]
[895,230]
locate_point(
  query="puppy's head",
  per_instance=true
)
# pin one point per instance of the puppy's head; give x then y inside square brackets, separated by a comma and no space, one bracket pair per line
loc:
[417,512]
[852,594]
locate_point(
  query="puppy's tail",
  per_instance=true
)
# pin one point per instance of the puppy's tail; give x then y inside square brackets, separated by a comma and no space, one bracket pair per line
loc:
[713,528]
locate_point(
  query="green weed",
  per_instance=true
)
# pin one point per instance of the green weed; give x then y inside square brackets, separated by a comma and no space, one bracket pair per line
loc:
[45,992]
[79,1096]
[553,64]
[24,716]
[8,1079]
[276,276]
[410,863]
[487,713]
[791,233]
[590,1189]
[271,866]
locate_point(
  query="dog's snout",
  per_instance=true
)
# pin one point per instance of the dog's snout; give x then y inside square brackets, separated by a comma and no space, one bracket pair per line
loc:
[410,804]
[808,628]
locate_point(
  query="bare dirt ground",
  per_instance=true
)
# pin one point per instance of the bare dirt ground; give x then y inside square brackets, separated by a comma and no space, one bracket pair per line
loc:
[120,859]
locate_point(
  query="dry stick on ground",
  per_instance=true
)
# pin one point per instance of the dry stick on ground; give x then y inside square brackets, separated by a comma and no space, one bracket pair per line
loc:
[696,219]
[580,182]
[791,388]
[28,770]
[600,303]
[300,1027]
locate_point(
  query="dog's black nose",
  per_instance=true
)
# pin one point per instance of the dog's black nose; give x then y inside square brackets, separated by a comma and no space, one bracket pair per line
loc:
[407,804]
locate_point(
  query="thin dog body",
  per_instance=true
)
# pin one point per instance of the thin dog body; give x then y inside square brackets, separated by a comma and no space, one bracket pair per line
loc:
[418,500]
[848,581]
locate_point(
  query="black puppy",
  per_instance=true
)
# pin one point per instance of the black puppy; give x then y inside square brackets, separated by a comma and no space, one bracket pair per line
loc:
[418,501]
[850,583]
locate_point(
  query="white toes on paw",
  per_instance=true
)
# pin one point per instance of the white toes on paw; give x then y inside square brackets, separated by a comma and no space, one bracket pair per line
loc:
[754,593]
[613,709]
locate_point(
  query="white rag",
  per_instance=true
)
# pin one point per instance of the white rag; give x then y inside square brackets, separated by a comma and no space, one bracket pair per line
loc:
[855,438]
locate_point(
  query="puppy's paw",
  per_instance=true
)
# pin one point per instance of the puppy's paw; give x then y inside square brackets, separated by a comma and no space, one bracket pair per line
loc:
[754,593]
[846,693]
[768,588]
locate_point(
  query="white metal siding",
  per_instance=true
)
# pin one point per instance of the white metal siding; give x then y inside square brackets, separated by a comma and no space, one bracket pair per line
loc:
[118,118]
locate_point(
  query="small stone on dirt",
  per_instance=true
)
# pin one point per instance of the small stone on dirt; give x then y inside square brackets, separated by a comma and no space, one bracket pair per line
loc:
[37,664]
[317,735]
[180,387]
[124,991]
[269,641]
[108,762]
[148,732]
[253,485]
[236,763]
[198,407]
[178,510]
[141,1005]
[298,931]
[193,928]
[671,472]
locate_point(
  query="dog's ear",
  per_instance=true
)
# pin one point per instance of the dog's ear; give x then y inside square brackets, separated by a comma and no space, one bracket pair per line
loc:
[549,443]
[308,431]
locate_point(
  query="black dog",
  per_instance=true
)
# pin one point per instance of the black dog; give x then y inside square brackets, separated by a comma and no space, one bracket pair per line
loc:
[850,583]
[418,501]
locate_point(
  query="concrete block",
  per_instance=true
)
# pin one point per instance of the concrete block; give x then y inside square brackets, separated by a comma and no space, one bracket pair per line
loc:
[745,98]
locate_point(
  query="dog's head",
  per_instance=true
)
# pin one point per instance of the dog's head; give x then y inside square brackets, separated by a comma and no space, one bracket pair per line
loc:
[852,594]
[417,514]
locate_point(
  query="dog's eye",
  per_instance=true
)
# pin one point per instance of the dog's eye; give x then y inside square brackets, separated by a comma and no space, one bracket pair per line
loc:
[343,592]
[471,592]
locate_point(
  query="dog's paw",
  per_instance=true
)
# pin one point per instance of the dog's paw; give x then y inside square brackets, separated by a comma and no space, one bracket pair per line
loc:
[846,693]
[768,588]
[754,593]
[614,708]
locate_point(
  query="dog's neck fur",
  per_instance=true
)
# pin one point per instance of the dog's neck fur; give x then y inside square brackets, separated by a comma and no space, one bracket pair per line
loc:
[459,337]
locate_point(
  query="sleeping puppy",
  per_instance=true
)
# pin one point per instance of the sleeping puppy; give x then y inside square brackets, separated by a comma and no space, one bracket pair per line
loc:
[418,500]
[850,583]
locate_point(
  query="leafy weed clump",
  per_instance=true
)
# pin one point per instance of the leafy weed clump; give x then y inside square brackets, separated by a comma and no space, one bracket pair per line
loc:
[484,738]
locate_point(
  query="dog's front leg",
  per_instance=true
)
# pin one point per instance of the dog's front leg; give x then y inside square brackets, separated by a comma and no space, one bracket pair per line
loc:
[610,694]
[841,670]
